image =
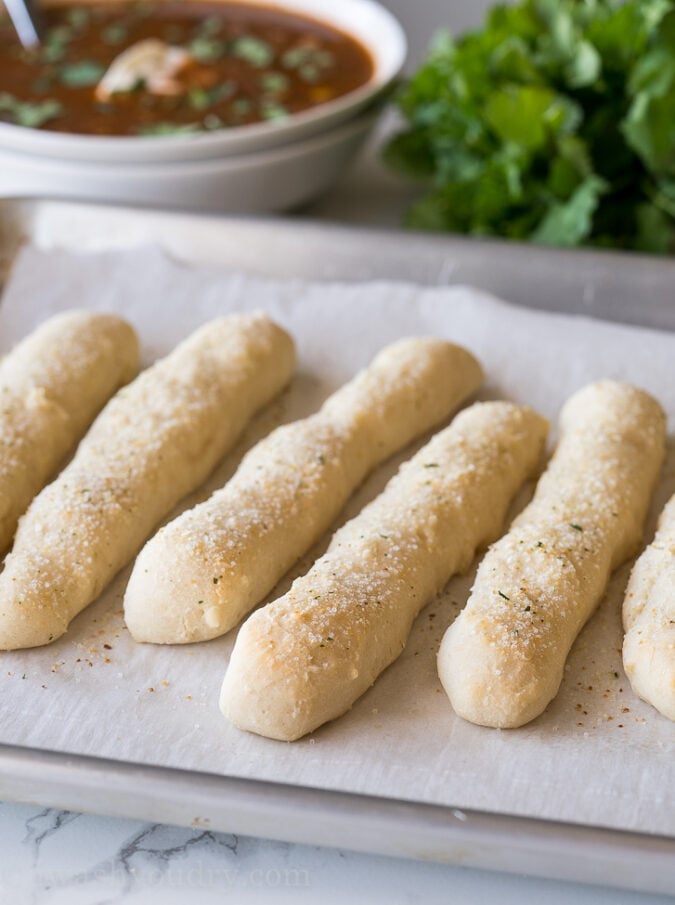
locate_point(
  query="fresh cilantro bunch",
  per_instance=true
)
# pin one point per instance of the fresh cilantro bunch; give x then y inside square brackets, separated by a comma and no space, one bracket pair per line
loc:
[553,123]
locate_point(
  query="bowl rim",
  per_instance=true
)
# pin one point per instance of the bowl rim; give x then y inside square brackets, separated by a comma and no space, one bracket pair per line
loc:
[234,139]
[166,169]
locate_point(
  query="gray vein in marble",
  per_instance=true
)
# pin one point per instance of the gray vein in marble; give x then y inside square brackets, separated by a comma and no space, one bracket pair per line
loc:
[52,857]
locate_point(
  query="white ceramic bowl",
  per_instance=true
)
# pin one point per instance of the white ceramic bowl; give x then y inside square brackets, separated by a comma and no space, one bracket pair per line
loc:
[270,180]
[366,20]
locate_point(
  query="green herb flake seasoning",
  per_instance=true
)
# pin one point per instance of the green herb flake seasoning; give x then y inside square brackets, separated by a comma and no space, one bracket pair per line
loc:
[23,113]
[254,50]
[206,50]
[199,98]
[210,26]
[78,17]
[575,526]
[503,595]
[272,111]
[84,74]
[309,73]
[53,48]
[431,465]
[274,82]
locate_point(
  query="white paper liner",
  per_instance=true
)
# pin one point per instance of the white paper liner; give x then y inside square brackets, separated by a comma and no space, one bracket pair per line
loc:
[597,756]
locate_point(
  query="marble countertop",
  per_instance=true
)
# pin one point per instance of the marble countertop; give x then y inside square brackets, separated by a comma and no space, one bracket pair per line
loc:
[52,857]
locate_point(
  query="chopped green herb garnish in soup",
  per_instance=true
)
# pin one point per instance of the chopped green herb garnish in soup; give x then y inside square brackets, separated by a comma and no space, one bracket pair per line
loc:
[162,67]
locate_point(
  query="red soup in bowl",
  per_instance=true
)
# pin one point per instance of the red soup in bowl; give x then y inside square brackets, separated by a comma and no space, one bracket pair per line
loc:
[159,67]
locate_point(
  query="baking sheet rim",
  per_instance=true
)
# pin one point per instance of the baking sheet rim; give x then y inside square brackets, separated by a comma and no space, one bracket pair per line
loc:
[483,839]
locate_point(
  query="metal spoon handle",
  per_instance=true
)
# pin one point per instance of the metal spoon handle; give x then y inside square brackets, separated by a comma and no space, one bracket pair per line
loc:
[26,21]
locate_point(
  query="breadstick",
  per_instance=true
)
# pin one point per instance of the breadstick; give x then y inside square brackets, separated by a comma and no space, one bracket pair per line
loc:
[52,385]
[649,619]
[157,440]
[502,660]
[202,573]
[305,659]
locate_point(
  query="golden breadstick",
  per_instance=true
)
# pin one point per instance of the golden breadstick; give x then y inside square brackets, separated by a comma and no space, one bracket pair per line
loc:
[502,660]
[305,659]
[202,573]
[52,385]
[649,619]
[157,440]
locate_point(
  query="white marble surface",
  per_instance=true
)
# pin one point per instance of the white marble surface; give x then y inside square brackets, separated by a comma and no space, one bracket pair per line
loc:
[54,857]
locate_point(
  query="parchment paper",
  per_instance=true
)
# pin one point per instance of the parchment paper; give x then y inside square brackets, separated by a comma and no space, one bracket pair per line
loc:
[597,755]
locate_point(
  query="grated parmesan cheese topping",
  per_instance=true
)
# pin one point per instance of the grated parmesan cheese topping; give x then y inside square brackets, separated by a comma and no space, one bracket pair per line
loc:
[215,562]
[538,585]
[155,441]
[322,644]
[51,387]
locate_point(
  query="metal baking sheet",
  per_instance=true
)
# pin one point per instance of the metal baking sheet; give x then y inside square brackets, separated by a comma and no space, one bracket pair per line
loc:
[308,251]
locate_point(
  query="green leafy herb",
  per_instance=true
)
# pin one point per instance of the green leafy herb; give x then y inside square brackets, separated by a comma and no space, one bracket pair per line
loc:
[274,82]
[31,115]
[309,72]
[53,48]
[211,25]
[255,51]
[81,75]
[206,49]
[272,111]
[575,526]
[202,98]
[199,98]
[78,17]
[307,55]
[554,123]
